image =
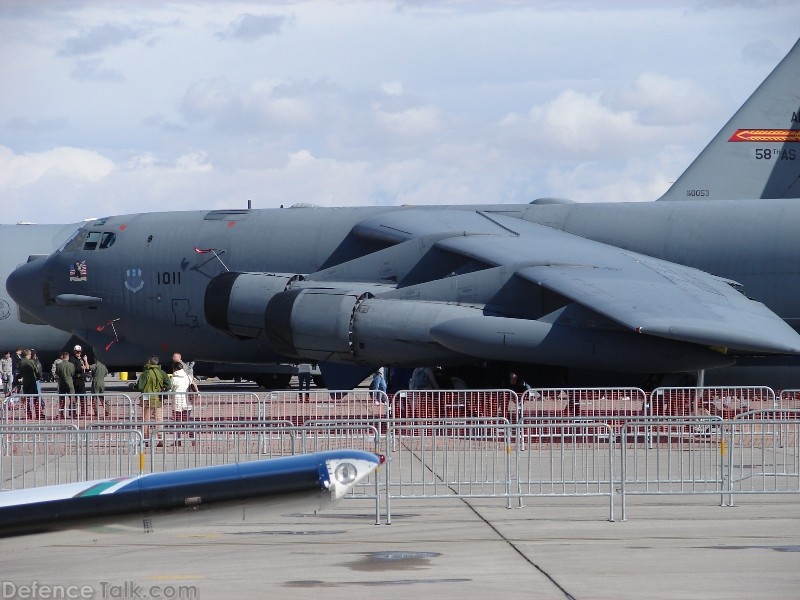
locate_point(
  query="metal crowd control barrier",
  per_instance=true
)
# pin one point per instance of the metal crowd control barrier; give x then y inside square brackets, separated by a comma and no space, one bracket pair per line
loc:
[682,456]
[424,460]
[764,453]
[577,459]
[723,402]
[453,404]
[612,406]
[76,409]
[36,455]
[789,399]
[216,406]
[471,443]
[368,406]
[180,445]
[582,402]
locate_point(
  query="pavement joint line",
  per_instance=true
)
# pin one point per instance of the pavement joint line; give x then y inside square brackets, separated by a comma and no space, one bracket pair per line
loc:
[497,532]
[514,547]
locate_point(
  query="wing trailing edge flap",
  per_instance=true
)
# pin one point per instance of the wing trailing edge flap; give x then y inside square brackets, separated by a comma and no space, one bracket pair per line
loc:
[671,301]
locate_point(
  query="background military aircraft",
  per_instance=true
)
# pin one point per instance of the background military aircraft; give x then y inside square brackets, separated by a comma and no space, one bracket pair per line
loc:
[558,292]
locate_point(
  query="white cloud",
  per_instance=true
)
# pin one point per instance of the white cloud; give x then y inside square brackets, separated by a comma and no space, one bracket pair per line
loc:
[148,164]
[666,100]
[392,88]
[254,106]
[17,171]
[410,122]
[575,125]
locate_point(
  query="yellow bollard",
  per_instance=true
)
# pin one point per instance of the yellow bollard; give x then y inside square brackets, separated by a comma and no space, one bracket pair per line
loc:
[141,463]
[123,376]
[722,448]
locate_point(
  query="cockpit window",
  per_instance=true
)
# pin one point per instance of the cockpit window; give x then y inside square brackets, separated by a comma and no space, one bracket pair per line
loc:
[89,240]
[73,243]
[92,239]
[108,239]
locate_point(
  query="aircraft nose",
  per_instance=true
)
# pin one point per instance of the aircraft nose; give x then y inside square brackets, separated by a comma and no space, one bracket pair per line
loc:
[24,285]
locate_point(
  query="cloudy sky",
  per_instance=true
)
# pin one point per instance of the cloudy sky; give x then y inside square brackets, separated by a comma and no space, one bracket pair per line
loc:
[118,107]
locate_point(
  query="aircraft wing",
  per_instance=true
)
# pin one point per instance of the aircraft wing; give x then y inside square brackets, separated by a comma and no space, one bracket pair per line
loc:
[641,293]
[670,303]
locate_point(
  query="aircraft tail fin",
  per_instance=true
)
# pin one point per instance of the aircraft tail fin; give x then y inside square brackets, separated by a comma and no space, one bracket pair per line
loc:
[757,152]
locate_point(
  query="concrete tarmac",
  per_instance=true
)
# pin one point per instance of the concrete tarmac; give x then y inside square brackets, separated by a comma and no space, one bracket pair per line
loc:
[558,548]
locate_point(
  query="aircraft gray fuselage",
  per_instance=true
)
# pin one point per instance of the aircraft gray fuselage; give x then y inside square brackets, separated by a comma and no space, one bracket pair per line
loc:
[162,279]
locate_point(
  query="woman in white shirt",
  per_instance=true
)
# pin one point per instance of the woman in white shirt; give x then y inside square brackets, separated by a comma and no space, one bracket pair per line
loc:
[181,381]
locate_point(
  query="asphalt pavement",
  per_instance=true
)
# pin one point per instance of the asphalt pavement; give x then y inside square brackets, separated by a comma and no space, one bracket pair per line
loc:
[552,548]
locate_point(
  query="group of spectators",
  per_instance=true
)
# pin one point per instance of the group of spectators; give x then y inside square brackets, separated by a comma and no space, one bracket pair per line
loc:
[72,373]
[22,374]
[81,385]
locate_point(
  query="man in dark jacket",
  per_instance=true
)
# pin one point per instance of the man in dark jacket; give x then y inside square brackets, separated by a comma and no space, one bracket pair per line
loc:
[16,358]
[30,373]
[81,363]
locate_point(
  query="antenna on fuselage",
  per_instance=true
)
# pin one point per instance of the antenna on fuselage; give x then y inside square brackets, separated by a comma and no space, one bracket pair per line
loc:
[214,250]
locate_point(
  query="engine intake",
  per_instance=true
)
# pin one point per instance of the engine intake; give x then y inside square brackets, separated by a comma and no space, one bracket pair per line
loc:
[235,302]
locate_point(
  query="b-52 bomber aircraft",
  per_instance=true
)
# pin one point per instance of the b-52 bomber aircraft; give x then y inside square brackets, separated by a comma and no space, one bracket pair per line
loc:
[703,278]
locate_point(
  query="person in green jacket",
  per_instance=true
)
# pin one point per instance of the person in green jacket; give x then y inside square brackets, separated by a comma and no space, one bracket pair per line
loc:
[99,372]
[152,382]
[65,370]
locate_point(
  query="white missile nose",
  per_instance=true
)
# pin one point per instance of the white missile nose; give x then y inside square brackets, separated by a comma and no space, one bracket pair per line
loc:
[24,285]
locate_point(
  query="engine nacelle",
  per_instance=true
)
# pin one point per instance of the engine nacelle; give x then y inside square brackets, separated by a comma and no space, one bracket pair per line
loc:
[236,302]
[312,323]
[354,327]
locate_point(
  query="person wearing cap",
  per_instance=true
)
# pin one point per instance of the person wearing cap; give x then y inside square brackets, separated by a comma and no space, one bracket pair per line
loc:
[81,364]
